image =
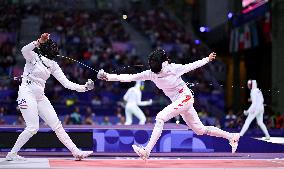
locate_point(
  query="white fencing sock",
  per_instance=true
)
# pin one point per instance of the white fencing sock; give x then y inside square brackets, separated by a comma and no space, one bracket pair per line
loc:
[157,131]
[214,131]
[21,141]
[65,139]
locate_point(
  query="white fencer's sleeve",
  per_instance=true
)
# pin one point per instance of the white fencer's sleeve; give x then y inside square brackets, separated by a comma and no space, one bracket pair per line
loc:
[139,101]
[59,75]
[182,69]
[145,75]
[28,52]
[144,103]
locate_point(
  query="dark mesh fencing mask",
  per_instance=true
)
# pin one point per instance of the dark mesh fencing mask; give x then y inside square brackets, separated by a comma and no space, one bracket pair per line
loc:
[155,60]
[49,49]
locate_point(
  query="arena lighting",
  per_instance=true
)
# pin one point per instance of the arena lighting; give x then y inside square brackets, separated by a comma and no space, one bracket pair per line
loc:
[124,16]
[230,15]
[202,29]
[197,42]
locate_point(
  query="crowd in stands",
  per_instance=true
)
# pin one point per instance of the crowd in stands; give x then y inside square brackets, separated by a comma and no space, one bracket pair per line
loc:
[98,39]
[9,29]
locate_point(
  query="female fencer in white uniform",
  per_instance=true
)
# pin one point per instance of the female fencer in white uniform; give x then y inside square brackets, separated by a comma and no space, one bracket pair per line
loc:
[167,76]
[133,99]
[32,100]
[256,109]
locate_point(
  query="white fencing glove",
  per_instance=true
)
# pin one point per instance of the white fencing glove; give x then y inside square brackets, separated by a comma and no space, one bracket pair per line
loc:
[102,75]
[89,85]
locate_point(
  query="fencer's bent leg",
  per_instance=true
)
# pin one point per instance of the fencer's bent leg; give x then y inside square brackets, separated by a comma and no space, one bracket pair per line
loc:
[248,121]
[48,114]
[157,131]
[28,108]
[128,114]
[139,114]
[163,116]
[192,120]
[259,119]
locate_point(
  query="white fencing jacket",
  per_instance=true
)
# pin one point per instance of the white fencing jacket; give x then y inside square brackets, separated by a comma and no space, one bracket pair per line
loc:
[38,69]
[256,99]
[134,95]
[169,79]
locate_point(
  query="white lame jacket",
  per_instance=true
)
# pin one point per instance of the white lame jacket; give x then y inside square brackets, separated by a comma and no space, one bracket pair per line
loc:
[169,79]
[134,95]
[256,99]
[37,70]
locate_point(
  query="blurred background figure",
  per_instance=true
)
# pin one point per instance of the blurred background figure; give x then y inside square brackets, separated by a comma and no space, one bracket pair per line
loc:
[256,109]
[230,119]
[133,98]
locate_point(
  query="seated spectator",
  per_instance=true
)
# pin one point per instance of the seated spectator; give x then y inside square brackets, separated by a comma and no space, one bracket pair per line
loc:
[96,101]
[230,119]
[89,119]
[279,121]
[20,121]
[89,116]
[106,121]
[75,117]
[67,120]
[121,120]
[149,120]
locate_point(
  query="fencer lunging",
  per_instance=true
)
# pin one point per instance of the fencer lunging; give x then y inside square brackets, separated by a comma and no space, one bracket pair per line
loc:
[32,101]
[133,100]
[167,76]
[256,109]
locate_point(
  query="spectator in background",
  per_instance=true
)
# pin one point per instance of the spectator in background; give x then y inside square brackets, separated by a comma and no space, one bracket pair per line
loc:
[149,120]
[19,121]
[75,117]
[2,121]
[67,120]
[118,112]
[106,121]
[70,100]
[279,121]
[230,119]
[96,101]
[121,120]
[89,119]
[204,117]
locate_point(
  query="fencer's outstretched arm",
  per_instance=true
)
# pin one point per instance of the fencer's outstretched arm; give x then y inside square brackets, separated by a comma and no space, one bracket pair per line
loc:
[59,75]
[144,103]
[182,69]
[145,75]
[27,50]
[139,101]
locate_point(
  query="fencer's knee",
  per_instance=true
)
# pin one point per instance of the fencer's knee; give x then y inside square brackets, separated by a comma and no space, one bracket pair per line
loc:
[56,126]
[200,130]
[32,129]
[142,120]
[159,123]
[260,123]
